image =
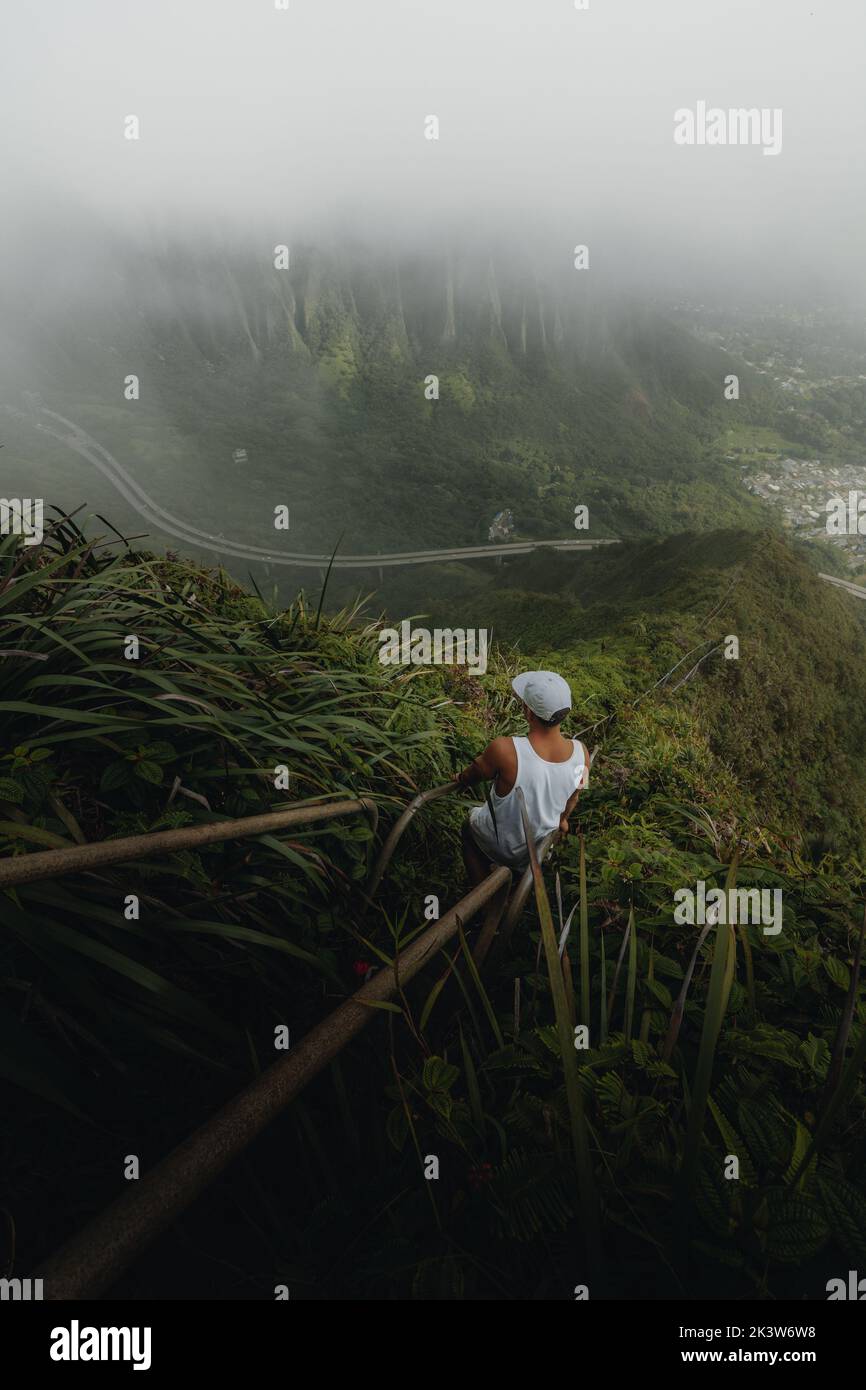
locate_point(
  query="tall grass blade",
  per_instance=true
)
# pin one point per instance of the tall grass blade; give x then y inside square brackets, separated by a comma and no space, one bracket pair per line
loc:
[631,982]
[679,1007]
[602,1003]
[472,1089]
[579,1130]
[482,992]
[327,578]
[618,967]
[566,932]
[721,975]
[569,990]
[750,973]
[647,1013]
[584,939]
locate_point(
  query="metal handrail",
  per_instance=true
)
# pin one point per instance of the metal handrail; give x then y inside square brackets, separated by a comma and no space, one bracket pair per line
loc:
[95,1258]
[498,902]
[490,925]
[31,868]
[397,829]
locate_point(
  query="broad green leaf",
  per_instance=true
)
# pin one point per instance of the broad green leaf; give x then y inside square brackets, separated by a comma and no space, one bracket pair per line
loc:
[845,1206]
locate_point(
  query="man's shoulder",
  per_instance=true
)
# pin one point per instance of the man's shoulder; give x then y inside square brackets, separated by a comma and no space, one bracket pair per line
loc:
[501,753]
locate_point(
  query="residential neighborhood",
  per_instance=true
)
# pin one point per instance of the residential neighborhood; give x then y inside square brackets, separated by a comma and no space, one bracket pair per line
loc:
[802,489]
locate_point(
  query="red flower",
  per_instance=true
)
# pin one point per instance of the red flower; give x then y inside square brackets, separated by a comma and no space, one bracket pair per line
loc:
[361,967]
[477,1177]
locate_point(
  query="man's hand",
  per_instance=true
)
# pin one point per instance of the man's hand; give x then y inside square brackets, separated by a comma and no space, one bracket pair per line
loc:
[563,825]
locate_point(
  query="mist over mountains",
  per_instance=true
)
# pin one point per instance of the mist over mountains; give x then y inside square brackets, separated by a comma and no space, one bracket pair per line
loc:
[411,257]
[313,387]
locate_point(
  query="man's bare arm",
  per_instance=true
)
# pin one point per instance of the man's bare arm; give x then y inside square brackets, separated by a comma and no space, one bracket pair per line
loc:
[485,767]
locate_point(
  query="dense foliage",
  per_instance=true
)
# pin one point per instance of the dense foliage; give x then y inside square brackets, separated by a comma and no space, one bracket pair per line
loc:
[120,1034]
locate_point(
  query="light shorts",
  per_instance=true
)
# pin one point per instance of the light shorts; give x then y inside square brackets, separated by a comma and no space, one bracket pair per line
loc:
[488,845]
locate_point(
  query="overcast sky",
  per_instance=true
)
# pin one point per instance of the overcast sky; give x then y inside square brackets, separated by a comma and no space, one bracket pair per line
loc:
[556,125]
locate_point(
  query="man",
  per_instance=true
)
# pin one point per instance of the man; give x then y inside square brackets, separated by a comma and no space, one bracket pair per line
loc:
[548,768]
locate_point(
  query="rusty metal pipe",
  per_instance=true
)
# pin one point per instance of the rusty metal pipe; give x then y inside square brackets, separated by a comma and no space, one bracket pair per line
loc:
[31,868]
[96,1257]
[396,832]
[490,925]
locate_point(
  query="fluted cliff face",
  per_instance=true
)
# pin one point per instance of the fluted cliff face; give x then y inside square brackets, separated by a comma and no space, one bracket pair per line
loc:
[214,296]
[400,398]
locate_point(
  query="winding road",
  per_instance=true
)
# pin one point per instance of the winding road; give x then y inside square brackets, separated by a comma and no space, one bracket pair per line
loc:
[856,589]
[74,437]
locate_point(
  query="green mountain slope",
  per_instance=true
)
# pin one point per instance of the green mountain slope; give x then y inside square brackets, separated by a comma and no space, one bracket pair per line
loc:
[550,395]
[786,717]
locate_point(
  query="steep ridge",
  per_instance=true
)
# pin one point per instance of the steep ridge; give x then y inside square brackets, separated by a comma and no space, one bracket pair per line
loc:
[549,396]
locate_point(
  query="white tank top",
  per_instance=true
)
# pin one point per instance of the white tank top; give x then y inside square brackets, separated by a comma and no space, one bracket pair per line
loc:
[546,789]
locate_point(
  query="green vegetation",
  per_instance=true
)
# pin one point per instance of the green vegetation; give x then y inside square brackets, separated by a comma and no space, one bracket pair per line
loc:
[121,1034]
[546,400]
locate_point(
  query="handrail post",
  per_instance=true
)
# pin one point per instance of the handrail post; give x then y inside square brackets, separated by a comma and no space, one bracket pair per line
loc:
[396,832]
[492,918]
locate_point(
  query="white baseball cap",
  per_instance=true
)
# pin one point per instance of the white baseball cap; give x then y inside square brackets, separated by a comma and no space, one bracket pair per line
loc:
[544,692]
